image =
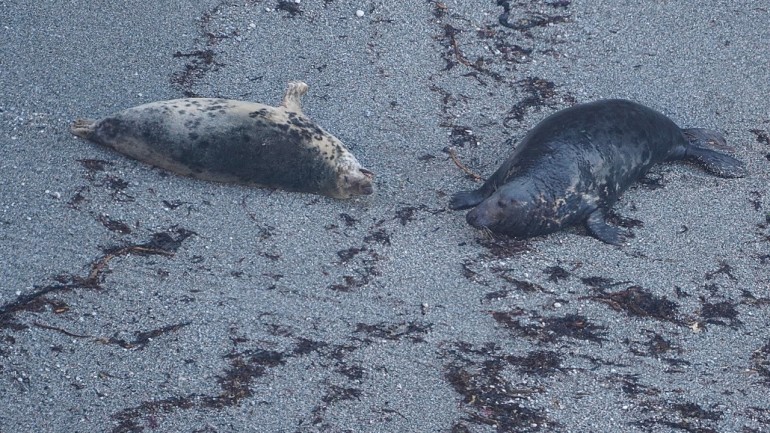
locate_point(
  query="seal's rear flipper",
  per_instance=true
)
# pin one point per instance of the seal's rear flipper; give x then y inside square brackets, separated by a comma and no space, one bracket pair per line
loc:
[716,163]
[83,128]
[466,199]
[294,92]
[705,138]
[601,230]
[700,150]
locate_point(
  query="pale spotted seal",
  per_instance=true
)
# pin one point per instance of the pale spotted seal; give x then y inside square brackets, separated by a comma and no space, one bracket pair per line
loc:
[573,166]
[225,140]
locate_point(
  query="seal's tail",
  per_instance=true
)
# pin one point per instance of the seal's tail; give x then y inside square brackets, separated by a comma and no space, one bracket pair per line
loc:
[701,150]
[83,128]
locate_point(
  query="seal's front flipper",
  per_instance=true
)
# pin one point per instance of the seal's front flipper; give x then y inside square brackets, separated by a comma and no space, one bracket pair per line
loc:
[466,199]
[294,92]
[702,142]
[601,230]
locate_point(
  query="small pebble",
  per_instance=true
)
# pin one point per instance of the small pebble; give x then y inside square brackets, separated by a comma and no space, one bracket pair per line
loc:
[359,13]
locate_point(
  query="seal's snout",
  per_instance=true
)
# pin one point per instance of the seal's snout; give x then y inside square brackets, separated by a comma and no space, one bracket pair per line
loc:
[470,217]
[477,218]
[367,189]
[367,184]
[356,182]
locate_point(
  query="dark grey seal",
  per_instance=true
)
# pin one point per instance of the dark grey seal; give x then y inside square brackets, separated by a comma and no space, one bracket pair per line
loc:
[572,167]
[232,141]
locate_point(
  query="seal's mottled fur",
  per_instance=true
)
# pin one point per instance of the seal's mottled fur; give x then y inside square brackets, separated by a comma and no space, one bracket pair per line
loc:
[225,140]
[572,167]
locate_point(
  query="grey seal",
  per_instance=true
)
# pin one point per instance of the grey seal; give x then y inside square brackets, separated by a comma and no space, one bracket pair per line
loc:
[572,167]
[234,141]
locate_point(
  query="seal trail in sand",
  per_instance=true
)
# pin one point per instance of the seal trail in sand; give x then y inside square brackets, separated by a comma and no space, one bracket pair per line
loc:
[233,141]
[572,167]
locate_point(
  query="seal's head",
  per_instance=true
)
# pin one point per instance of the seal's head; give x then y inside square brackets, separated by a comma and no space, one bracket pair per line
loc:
[499,214]
[350,178]
[334,171]
[512,209]
[353,180]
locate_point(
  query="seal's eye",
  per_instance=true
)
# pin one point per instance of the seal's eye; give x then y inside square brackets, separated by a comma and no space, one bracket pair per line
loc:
[501,203]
